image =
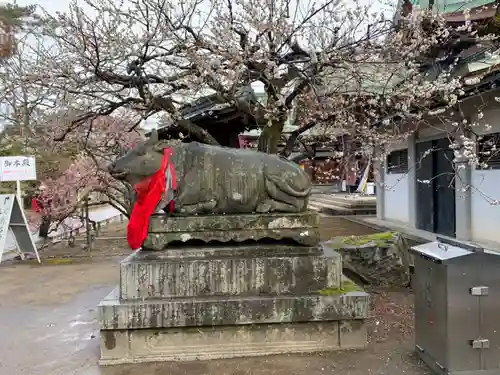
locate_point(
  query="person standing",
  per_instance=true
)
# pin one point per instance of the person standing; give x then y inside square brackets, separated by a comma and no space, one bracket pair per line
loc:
[39,205]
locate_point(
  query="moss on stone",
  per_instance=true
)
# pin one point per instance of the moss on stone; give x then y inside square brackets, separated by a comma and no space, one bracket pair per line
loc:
[347,286]
[376,239]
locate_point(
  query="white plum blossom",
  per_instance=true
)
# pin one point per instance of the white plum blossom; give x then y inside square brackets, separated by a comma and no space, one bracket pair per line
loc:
[338,70]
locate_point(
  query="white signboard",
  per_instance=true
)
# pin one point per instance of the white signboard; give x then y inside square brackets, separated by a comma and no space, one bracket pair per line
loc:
[17,168]
[12,217]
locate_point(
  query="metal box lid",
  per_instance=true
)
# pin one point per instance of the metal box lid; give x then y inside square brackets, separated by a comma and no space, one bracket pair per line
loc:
[440,251]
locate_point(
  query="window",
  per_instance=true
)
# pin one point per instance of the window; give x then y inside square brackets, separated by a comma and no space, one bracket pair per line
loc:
[397,162]
[488,151]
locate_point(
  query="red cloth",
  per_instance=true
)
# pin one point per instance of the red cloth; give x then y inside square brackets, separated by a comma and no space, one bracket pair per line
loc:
[35,206]
[149,193]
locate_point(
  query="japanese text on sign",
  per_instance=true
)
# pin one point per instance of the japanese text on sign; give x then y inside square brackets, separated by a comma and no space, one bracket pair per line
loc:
[17,168]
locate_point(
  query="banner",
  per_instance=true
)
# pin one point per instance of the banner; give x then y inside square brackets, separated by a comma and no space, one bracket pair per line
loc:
[362,183]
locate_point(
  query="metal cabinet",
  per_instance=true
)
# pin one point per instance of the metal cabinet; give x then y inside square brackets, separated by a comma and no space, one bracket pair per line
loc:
[457,307]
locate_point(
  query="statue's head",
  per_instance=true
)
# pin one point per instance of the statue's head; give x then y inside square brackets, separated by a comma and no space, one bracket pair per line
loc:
[142,161]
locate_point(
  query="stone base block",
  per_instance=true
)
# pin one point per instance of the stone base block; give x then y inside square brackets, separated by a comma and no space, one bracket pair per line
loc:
[224,311]
[206,343]
[301,227]
[250,270]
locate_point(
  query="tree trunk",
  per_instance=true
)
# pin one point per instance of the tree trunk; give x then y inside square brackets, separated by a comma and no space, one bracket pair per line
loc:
[271,135]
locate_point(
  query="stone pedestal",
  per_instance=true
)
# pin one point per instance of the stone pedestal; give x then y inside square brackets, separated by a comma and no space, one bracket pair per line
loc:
[231,298]
[301,228]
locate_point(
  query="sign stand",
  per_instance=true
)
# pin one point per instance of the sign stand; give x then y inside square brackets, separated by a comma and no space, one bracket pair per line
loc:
[18,191]
[12,217]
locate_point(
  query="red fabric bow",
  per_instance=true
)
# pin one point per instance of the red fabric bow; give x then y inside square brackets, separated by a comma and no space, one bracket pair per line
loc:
[149,193]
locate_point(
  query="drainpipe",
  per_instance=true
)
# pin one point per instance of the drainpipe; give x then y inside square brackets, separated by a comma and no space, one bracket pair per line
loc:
[463,196]
[412,179]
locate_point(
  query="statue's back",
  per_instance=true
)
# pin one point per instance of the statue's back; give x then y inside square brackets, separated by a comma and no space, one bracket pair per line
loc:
[238,180]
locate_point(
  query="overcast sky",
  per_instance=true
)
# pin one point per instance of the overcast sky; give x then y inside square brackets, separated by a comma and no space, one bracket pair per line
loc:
[51,6]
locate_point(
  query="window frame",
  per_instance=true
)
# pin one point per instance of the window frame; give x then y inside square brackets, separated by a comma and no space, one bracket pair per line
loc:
[397,162]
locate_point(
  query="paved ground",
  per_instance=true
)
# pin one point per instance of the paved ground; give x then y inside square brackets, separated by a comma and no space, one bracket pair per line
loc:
[48,327]
[332,226]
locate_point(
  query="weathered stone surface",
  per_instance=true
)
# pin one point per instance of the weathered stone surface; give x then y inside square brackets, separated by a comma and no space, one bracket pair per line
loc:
[231,299]
[206,343]
[245,275]
[163,223]
[213,179]
[353,334]
[230,251]
[160,241]
[300,227]
[219,311]
[381,259]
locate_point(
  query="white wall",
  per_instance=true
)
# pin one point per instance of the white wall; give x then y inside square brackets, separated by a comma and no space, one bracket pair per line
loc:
[395,198]
[485,185]
[485,217]
[396,206]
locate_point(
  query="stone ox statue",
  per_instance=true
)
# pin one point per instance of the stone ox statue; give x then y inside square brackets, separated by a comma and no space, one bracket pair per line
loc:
[213,179]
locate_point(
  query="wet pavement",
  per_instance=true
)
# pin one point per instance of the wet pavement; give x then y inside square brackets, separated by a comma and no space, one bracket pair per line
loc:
[48,318]
[48,340]
[48,326]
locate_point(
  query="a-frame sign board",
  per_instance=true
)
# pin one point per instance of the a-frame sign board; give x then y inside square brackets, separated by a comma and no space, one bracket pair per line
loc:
[12,217]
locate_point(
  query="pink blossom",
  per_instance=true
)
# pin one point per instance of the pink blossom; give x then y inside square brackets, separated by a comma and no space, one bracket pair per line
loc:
[99,143]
